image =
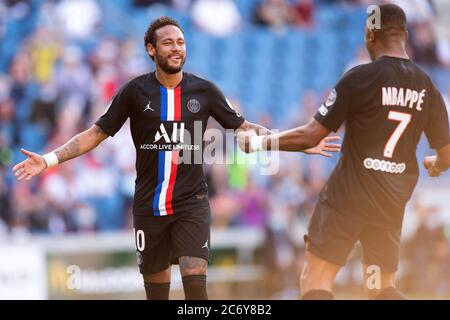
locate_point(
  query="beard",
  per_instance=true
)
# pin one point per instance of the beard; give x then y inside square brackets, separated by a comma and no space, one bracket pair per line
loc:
[163,63]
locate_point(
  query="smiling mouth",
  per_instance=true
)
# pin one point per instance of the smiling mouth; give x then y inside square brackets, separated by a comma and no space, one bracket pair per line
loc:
[175,58]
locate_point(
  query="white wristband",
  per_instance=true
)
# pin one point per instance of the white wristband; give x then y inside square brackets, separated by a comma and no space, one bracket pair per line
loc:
[51,159]
[257,143]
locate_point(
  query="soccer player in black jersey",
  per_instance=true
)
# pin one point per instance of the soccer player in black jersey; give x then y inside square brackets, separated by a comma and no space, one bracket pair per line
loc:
[168,110]
[387,105]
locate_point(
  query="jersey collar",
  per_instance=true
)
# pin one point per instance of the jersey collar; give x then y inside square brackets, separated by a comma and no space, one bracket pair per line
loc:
[155,79]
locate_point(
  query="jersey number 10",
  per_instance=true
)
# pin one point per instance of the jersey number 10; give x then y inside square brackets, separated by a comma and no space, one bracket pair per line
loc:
[404,119]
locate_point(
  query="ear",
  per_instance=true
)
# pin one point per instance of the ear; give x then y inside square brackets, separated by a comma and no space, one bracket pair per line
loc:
[406,36]
[151,50]
[370,36]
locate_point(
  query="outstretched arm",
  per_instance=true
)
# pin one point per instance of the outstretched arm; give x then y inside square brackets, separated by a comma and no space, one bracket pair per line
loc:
[310,138]
[299,139]
[438,163]
[75,147]
[248,126]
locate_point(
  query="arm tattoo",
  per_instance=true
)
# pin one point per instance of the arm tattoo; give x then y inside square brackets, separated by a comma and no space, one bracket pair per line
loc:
[69,151]
[81,144]
[99,131]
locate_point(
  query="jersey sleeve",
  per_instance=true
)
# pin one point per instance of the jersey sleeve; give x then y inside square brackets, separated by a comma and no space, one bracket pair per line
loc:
[222,110]
[117,112]
[437,129]
[335,110]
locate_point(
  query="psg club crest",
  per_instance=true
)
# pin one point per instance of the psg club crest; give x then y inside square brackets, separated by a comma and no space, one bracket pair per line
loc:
[193,106]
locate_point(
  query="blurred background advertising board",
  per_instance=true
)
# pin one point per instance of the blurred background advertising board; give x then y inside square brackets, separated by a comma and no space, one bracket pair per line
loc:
[22,272]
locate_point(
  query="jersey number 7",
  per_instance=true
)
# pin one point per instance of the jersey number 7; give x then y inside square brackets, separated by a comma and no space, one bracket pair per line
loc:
[404,119]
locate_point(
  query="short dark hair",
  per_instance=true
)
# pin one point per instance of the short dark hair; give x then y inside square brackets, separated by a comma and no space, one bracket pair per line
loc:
[393,18]
[150,34]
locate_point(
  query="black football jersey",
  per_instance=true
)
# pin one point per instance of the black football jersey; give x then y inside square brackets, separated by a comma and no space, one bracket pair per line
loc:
[167,127]
[387,105]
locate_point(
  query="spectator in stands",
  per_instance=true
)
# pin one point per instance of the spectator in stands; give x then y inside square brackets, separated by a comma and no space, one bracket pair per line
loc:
[254,204]
[442,27]
[308,105]
[182,5]
[4,205]
[78,18]
[304,13]
[423,45]
[60,191]
[44,108]
[2,21]
[131,60]
[25,216]
[45,50]
[8,129]
[6,139]
[285,198]
[417,11]
[216,17]
[361,57]
[274,13]
[73,77]
[105,65]
[23,93]
[146,3]
[429,248]
[18,9]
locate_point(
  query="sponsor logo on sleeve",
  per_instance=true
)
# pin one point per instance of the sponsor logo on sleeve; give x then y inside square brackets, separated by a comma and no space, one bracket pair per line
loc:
[324,108]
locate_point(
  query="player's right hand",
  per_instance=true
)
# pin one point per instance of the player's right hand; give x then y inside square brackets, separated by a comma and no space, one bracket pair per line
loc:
[430,163]
[30,167]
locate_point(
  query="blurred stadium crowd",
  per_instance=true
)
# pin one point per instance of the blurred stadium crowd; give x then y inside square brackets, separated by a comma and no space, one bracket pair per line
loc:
[61,62]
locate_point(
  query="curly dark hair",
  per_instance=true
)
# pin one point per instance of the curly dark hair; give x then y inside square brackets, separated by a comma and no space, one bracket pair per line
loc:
[150,34]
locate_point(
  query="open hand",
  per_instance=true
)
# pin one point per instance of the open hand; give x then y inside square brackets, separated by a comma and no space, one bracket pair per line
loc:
[325,146]
[30,167]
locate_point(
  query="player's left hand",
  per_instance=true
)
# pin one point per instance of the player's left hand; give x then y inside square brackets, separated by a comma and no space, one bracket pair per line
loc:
[325,146]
